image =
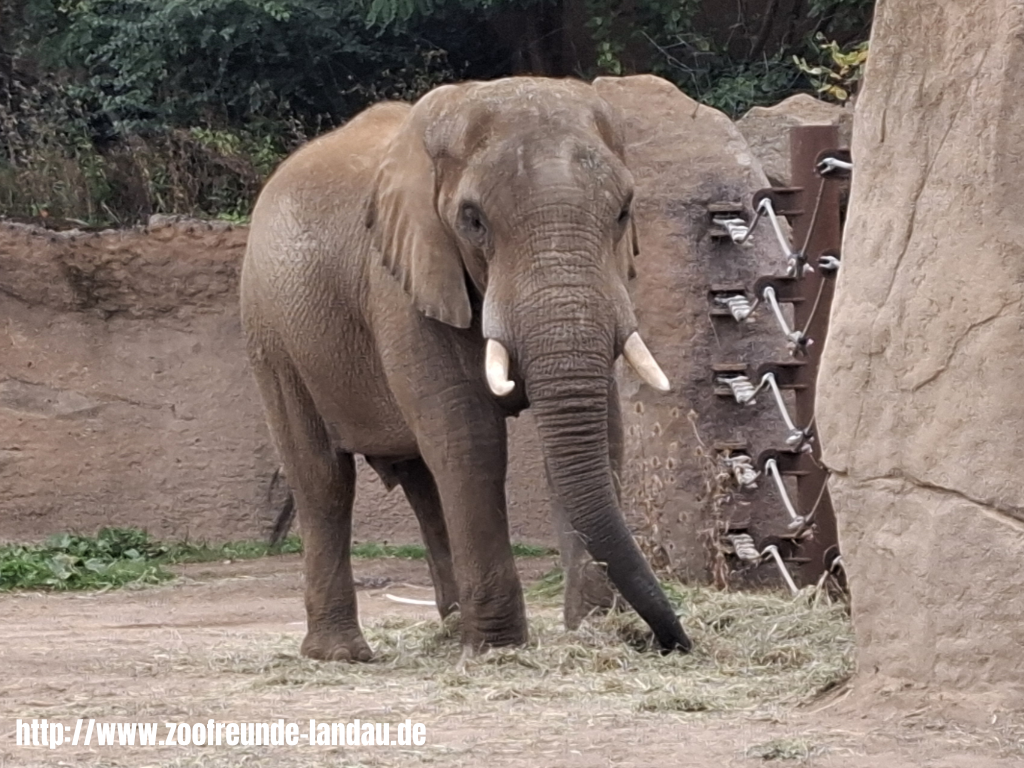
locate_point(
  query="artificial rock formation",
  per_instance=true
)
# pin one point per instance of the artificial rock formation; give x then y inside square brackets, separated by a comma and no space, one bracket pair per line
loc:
[766,129]
[125,393]
[685,156]
[919,401]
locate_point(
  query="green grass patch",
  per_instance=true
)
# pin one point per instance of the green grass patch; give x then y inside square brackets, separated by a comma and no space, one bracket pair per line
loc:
[112,558]
[549,586]
[118,556]
[374,551]
[202,552]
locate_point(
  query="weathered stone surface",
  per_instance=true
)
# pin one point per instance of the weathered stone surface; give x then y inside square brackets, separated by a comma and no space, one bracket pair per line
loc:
[125,395]
[685,156]
[766,130]
[919,398]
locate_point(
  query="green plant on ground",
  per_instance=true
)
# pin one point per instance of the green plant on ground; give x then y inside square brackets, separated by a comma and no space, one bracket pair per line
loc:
[112,558]
[118,556]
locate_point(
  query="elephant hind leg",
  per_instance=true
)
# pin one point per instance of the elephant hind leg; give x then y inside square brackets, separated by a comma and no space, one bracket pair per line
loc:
[323,483]
[421,491]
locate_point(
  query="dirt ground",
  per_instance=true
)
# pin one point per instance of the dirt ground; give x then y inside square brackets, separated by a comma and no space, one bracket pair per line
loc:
[222,643]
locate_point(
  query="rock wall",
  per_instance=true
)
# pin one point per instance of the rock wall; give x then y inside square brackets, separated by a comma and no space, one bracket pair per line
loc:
[919,397]
[766,129]
[684,157]
[125,395]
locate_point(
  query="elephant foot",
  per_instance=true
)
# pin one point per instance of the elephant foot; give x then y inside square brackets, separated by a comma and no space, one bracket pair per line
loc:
[587,591]
[336,646]
[476,642]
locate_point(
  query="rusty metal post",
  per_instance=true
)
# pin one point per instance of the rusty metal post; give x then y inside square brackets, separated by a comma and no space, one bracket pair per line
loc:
[807,143]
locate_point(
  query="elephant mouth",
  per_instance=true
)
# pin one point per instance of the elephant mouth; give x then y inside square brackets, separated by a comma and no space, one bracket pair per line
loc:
[636,353]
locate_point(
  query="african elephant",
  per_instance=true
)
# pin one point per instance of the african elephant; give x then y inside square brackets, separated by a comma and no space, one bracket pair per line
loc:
[411,280]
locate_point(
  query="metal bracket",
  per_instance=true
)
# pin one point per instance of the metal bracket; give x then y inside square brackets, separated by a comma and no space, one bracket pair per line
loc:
[790,463]
[728,222]
[730,301]
[785,200]
[787,374]
[726,371]
[787,288]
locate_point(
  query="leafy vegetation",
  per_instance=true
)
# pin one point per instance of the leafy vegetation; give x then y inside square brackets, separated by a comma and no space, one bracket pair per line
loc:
[839,74]
[112,110]
[114,557]
[118,556]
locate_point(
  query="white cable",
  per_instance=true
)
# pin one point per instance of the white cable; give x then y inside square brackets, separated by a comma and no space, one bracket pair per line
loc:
[766,206]
[796,435]
[771,467]
[795,337]
[774,552]
[409,600]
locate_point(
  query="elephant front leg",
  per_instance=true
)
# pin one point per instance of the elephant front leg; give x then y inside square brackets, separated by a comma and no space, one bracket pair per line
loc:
[465,449]
[323,483]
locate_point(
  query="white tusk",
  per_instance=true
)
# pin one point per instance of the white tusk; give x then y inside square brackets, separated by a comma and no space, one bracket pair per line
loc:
[639,356]
[496,365]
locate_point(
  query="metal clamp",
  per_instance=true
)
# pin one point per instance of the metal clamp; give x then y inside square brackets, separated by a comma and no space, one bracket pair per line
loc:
[828,264]
[834,163]
[738,229]
[742,390]
[739,306]
[743,471]
[744,547]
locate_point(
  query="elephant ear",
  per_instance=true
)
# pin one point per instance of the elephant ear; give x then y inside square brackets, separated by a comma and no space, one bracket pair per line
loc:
[610,125]
[416,245]
[629,249]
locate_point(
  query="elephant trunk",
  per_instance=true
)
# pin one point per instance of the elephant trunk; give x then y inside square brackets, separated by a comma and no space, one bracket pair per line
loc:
[566,369]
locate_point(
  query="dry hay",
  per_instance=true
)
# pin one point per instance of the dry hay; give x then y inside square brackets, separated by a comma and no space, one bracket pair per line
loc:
[752,651]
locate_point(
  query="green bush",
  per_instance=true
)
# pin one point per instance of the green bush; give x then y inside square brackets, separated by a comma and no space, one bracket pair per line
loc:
[112,110]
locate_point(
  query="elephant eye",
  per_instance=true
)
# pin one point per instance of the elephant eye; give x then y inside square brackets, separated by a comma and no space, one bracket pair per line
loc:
[471,222]
[624,213]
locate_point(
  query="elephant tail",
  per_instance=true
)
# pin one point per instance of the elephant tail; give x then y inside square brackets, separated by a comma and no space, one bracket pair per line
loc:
[283,523]
[285,517]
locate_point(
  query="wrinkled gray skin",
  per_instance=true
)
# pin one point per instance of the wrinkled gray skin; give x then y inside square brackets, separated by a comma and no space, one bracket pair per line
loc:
[380,258]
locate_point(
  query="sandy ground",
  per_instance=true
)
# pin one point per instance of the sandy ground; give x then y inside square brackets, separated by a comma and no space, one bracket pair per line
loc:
[221,643]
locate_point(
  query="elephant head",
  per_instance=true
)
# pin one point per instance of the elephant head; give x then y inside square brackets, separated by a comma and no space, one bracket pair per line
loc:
[518,190]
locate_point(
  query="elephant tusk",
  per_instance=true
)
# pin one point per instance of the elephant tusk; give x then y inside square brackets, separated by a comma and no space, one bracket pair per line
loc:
[639,356]
[496,365]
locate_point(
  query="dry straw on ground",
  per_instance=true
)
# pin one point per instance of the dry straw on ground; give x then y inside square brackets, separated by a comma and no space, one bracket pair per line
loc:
[752,651]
